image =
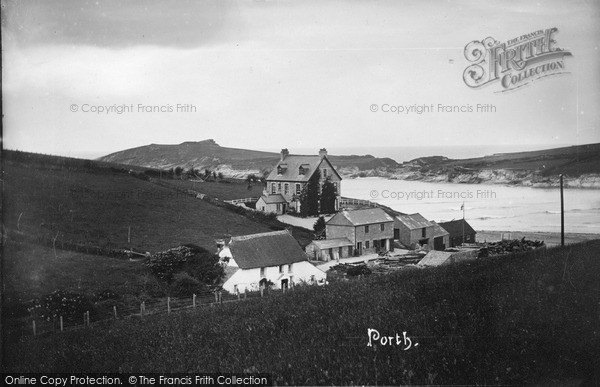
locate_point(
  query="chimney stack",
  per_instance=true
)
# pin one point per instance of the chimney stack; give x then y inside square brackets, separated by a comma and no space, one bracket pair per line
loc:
[284,154]
[323,152]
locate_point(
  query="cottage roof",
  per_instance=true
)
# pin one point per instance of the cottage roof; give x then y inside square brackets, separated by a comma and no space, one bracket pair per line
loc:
[438,230]
[331,243]
[266,249]
[414,221]
[291,165]
[360,217]
[273,199]
[455,227]
[435,258]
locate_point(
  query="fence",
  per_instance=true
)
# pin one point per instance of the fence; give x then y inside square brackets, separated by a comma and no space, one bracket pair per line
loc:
[358,202]
[39,326]
[239,201]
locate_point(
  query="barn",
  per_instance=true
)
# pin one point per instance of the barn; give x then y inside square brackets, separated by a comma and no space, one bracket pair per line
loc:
[458,228]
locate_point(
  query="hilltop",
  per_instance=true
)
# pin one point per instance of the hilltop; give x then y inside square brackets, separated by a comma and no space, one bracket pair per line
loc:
[232,162]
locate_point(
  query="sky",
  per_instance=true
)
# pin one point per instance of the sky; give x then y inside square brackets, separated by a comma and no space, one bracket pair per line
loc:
[286,74]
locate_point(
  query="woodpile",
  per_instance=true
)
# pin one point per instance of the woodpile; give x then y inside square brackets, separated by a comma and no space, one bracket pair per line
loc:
[510,246]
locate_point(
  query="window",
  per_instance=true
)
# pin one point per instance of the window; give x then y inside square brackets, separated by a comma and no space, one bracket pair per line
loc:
[280,268]
[423,232]
[290,269]
[278,207]
[382,226]
[366,244]
[324,173]
[335,186]
[279,169]
[278,187]
[301,170]
[366,229]
[235,289]
[286,189]
[298,189]
[262,271]
[273,188]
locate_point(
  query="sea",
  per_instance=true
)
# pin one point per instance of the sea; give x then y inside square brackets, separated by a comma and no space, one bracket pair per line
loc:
[491,207]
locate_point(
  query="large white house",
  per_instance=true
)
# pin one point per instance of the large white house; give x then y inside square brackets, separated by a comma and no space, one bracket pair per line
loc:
[289,177]
[267,259]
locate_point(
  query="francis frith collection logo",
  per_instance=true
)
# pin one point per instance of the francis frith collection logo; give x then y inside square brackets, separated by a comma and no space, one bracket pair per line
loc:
[515,63]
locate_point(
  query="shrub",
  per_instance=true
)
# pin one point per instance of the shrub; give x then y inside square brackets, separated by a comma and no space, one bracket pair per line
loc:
[185,285]
[70,306]
[358,270]
[165,263]
[106,295]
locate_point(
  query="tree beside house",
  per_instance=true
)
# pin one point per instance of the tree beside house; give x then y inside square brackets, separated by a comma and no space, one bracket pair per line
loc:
[309,184]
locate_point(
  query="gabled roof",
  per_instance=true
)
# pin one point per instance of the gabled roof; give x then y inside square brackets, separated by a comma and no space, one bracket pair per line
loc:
[438,230]
[414,221]
[455,227]
[292,164]
[360,217]
[266,249]
[332,243]
[273,199]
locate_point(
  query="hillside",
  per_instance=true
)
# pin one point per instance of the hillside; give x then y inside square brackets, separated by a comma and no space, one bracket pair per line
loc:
[529,318]
[232,162]
[90,206]
[580,166]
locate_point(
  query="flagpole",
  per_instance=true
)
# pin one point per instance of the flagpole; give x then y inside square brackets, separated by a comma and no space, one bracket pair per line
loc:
[463,224]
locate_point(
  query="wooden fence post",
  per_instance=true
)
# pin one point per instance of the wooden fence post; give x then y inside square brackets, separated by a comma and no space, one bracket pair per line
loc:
[194,300]
[61,323]
[142,310]
[34,332]
[115,311]
[245,293]
[216,297]
[220,298]
[262,290]
[87,318]
[168,305]
[239,296]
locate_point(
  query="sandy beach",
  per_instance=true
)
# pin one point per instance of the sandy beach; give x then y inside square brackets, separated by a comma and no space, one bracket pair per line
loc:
[550,238]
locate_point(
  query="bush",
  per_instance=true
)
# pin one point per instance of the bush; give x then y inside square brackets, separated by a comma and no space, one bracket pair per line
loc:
[197,262]
[165,263]
[354,271]
[106,295]
[185,285]
[71,306]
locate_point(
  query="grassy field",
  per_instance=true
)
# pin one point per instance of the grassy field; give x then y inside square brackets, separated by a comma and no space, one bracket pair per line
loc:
[227,189]
[528,318]
[104,209]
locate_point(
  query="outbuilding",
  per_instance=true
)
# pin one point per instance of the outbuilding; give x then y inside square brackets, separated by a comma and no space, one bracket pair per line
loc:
[328,249]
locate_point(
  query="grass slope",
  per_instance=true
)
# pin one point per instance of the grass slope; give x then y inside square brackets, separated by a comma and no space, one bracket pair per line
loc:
[516,319]
[96,207]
